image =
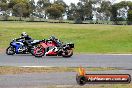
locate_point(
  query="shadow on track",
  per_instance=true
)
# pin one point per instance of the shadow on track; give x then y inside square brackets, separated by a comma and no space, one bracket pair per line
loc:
[30,55]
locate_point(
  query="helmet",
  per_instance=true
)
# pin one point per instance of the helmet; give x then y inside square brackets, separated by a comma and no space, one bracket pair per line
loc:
[24,34]
[52,37]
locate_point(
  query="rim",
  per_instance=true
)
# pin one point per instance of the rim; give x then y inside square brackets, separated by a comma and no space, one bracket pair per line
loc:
[39,51]
[68,52]
[10,50]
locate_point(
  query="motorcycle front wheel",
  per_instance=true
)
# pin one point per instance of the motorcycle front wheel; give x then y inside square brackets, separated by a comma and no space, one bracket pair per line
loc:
[10,50]
[67,53]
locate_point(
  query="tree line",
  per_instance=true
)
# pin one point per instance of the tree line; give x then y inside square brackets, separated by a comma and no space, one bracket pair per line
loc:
[82,11]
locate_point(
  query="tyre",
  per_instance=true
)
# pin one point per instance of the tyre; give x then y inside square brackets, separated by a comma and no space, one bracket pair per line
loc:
[67,53]
[81,80]
[10,50]
[39,51]
[32,50]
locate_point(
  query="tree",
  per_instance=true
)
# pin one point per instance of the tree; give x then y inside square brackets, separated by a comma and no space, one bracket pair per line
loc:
[129,16]
[4,8]
[20,10]
[55,11]
[61,2]
[123,10]
[81,11]
[120,10]
[14,2]
[3,5]
[114,13]
[42,5]
[88,10]
[3,1]
[32,6]
[106,9]
[75,12]
[71,11]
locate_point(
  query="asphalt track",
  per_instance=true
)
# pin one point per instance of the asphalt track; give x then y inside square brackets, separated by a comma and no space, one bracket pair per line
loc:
[45,80]
[85,60]
[60,79]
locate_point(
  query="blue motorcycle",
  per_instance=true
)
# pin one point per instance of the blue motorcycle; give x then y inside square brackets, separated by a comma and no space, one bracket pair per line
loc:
[19,47]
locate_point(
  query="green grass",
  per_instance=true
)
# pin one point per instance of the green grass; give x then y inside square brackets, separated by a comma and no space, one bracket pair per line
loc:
[89,38]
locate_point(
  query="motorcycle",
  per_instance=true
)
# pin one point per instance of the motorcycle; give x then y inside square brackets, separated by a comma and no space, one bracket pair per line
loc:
[20,47]
[50,48]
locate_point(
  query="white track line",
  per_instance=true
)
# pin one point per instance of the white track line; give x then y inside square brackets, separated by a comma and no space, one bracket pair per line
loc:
[36,66]
[105,54]
[116,54]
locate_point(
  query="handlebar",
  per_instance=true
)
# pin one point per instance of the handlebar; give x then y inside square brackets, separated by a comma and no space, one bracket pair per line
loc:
[15,39]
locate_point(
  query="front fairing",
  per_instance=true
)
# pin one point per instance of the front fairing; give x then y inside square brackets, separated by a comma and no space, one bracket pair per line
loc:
[51,44]
[16,45]
[68,46]
[12,43]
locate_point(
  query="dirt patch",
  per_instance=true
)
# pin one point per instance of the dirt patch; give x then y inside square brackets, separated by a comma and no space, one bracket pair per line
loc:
[2,50]
[0,34]
[19,70]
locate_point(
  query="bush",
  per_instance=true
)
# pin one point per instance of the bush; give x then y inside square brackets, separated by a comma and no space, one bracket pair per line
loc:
[130,17]
[31,18]
[5,17]
[78,21]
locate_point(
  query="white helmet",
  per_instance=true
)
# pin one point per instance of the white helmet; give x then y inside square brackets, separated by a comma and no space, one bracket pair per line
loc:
[24,34]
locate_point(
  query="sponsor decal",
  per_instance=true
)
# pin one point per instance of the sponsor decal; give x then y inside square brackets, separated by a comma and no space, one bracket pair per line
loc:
[83,78]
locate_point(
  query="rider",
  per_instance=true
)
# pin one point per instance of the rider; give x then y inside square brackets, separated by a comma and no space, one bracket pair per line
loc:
[58,44]
[26,37]
[57,41]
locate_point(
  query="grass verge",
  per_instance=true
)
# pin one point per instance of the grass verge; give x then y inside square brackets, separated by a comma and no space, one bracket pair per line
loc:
[19,70]
[93,86]
[89,38]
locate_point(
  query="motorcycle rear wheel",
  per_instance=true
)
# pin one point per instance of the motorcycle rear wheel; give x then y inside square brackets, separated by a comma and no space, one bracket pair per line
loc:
[10,50]
[39,51]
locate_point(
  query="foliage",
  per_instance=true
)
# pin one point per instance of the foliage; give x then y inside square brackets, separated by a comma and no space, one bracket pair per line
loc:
[71,11]
[41,7]
[3,6]
[114,13]
[130,17]
[81,11]
[20,10]
[55,11]
[106,9]
[32,6]
[103,10]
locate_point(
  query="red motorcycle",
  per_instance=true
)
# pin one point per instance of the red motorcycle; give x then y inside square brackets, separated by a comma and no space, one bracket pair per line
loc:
[53,47]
